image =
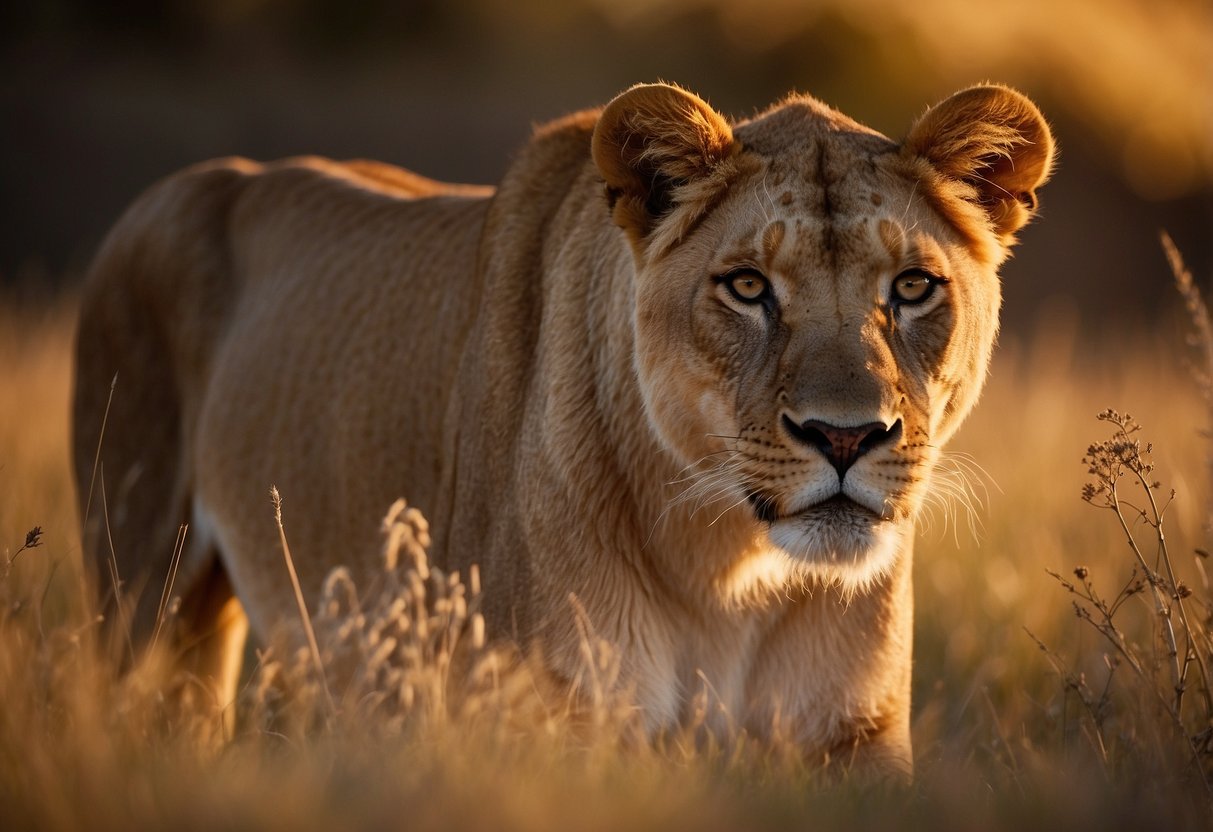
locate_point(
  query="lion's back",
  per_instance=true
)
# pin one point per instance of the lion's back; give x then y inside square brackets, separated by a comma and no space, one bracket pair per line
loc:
[296,323]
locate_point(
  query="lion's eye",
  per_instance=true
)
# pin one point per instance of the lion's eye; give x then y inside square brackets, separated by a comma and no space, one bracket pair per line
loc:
[748,286]
[914,286]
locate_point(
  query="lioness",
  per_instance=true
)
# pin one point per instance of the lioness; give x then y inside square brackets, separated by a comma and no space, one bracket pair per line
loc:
[688,376]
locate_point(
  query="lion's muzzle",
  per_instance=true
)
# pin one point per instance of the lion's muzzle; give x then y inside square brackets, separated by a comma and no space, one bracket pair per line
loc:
[842,447]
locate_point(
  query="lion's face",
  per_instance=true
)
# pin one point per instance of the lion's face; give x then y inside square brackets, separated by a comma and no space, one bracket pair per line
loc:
[810,365]
[808,335]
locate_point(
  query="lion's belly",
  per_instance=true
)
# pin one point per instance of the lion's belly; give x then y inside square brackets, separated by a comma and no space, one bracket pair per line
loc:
[341,354]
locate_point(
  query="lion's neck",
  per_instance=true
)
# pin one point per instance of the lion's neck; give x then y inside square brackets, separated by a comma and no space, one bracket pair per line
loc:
[693,553]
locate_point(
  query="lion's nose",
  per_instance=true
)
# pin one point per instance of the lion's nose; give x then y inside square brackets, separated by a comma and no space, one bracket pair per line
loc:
[841,446]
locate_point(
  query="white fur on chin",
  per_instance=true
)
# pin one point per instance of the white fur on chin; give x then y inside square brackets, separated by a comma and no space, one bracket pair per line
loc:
[853,557]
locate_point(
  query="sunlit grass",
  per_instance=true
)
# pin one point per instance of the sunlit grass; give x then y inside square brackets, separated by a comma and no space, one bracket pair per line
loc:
[1000,738]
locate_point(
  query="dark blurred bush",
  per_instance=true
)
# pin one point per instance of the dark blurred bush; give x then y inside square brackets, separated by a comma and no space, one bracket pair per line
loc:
[98,99]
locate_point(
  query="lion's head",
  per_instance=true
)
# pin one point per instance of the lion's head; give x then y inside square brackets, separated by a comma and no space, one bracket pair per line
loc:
[815,303]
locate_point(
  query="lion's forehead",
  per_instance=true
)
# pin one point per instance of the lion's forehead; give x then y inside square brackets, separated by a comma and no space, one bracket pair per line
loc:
[798,187]
[798,243]
[827,201]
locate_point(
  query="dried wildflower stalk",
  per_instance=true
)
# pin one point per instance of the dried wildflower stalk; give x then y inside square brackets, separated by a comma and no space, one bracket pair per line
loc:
[1108,462]
[390,654]
[1200,339]
[1120,467]
[33,539]
[405,653]
[304,618]
[1201,336]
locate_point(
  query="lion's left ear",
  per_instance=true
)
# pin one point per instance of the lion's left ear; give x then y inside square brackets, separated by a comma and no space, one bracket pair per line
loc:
[650,142]
[994,140]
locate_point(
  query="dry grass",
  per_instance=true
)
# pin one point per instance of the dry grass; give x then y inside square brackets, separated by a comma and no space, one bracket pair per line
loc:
[432,729]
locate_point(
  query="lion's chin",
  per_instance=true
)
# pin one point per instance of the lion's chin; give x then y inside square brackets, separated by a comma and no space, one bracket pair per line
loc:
[840,542]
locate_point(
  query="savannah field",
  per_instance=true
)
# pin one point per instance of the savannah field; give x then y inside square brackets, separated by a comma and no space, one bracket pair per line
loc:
[1025,712]
[1063,626]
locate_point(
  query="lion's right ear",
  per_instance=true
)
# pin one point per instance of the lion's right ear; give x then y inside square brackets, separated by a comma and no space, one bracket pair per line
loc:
[993,141]
[651,142]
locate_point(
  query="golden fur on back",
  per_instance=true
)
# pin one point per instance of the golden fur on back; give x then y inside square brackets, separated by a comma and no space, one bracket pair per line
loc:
[692,374]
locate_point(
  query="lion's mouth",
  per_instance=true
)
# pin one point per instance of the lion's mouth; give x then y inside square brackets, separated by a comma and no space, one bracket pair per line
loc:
[837,537]
[836,508]
[764,507]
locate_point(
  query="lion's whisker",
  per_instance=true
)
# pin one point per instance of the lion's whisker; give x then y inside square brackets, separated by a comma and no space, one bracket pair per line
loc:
[727,510]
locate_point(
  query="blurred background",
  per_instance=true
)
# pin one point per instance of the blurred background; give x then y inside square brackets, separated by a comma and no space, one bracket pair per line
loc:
[99,99]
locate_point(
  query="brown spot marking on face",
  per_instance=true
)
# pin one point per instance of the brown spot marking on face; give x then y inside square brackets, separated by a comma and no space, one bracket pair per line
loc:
[787,198]
[772,239]
[893,238]
[877,199]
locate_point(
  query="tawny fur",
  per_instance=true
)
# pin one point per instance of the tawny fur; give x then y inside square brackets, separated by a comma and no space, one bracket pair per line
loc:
[556,374]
